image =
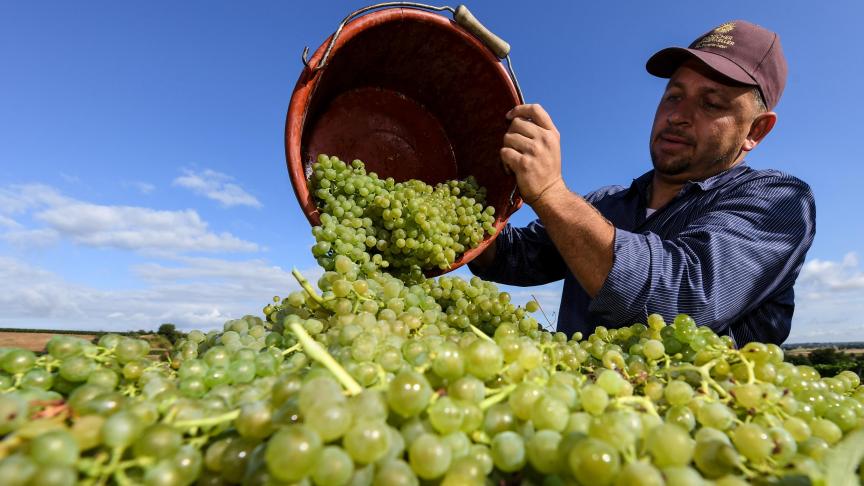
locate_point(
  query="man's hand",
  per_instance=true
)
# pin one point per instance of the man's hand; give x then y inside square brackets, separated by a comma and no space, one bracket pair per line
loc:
[532,151]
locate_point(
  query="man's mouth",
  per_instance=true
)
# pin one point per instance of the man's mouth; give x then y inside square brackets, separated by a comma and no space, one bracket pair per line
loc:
[673,141]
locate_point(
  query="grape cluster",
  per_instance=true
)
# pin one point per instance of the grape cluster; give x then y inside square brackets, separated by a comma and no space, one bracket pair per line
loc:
[405,227]
[371,379]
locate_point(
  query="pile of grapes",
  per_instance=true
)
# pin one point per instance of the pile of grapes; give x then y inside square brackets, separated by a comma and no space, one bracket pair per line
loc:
[404,227]
[370,379]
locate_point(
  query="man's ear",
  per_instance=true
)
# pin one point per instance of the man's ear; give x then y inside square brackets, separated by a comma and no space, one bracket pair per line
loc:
[759,129]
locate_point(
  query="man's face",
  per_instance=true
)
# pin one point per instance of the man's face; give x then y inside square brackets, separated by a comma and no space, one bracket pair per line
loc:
[700,124]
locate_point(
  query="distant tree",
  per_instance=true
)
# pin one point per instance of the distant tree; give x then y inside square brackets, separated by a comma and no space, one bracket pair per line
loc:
[169,331]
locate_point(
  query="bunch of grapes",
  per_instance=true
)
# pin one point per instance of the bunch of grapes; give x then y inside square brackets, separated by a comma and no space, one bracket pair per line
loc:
[405,227]
[371,379]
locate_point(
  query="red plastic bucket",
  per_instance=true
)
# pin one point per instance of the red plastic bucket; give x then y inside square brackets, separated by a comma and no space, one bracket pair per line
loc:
[412,94]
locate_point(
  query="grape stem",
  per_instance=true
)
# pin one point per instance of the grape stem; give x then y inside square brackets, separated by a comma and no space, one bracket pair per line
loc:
[497,397]
[207,422]
[291,349]
[542,311]
[645,402]
[705,372]
[319,354]
[307,287]
[480,334]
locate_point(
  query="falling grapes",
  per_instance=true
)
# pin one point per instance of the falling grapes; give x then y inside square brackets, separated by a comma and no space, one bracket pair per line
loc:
[377,375]
[404,227]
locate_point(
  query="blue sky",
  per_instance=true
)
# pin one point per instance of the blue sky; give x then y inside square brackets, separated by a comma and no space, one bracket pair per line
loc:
[142,172]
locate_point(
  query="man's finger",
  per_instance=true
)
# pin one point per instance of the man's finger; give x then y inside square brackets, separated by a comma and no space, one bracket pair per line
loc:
[535,112]
[518,142]
[509,158]
[525,128]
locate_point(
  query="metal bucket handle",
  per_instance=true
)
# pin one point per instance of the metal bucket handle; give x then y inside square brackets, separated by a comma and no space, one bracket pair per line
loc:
[463,17]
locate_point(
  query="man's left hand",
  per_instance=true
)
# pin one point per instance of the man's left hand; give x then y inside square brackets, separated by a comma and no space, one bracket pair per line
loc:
[532,151]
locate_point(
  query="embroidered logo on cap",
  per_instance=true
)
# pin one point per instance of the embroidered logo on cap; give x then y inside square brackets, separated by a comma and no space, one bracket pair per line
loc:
[718,38]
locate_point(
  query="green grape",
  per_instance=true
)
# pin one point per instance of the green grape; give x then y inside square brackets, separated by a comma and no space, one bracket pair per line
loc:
[395,472]
[682,416]
[188,463]
[37,378]
[593,461]
[408,393]
[747,395]
[508,451]
[163,473]
[826,429]
[639,474]
[445,415]
[54,475]
[798,428]
[499,418]
[367,441]
[17,470]
[653,349]
[158,441]
[715,415]
[121,429]
[255,420]
[484,359]
[292,453]
[56,447]
[13,412]
[670,446]
[678,393]
[715,458]
[330,421]
[682,476]
[18,361]
[523,397]
[334,468]
[549,412]
[542,451]
[594,399]
[449,363]
[752,441]
[429,456]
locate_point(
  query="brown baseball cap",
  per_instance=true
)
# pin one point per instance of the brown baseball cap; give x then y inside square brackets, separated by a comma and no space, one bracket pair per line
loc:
[739,50]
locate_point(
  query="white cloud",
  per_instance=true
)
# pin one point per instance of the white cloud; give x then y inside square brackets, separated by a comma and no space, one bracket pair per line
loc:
[7,222]
[217,186]
[16,199]
[137,228]
[199,293]
[829,301]
[819,276]
[125,227]
[27,238]
[142,187]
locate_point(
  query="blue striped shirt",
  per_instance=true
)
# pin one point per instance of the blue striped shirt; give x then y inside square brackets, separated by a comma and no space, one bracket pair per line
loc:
[726,251]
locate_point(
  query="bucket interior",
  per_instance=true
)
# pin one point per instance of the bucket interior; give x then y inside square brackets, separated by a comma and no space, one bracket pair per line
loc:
[413,98]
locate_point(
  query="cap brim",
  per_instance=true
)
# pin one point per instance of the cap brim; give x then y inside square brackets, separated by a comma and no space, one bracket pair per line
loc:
[664,63]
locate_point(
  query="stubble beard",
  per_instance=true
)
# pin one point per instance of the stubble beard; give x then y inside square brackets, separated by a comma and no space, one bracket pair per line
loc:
[678,165]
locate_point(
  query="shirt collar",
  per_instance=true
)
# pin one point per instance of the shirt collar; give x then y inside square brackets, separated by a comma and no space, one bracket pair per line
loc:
[641,183]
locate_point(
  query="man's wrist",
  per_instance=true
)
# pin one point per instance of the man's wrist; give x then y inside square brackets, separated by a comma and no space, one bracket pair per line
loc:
[551,192]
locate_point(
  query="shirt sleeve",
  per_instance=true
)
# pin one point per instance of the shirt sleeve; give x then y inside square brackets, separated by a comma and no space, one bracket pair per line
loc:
[523,256]
[750,245]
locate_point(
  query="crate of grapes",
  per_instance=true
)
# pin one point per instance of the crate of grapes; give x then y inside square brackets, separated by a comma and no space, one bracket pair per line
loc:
[414,95]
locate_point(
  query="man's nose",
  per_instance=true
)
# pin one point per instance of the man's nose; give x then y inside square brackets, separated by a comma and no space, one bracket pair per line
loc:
[680,114]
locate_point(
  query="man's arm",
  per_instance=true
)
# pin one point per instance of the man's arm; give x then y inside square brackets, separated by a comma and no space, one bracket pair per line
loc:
[583,237]
[521,256]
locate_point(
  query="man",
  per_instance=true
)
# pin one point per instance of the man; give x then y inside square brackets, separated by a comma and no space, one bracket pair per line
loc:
[701,234]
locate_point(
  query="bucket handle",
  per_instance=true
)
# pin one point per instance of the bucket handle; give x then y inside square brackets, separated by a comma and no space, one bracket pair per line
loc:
[464,18]
[461,15]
